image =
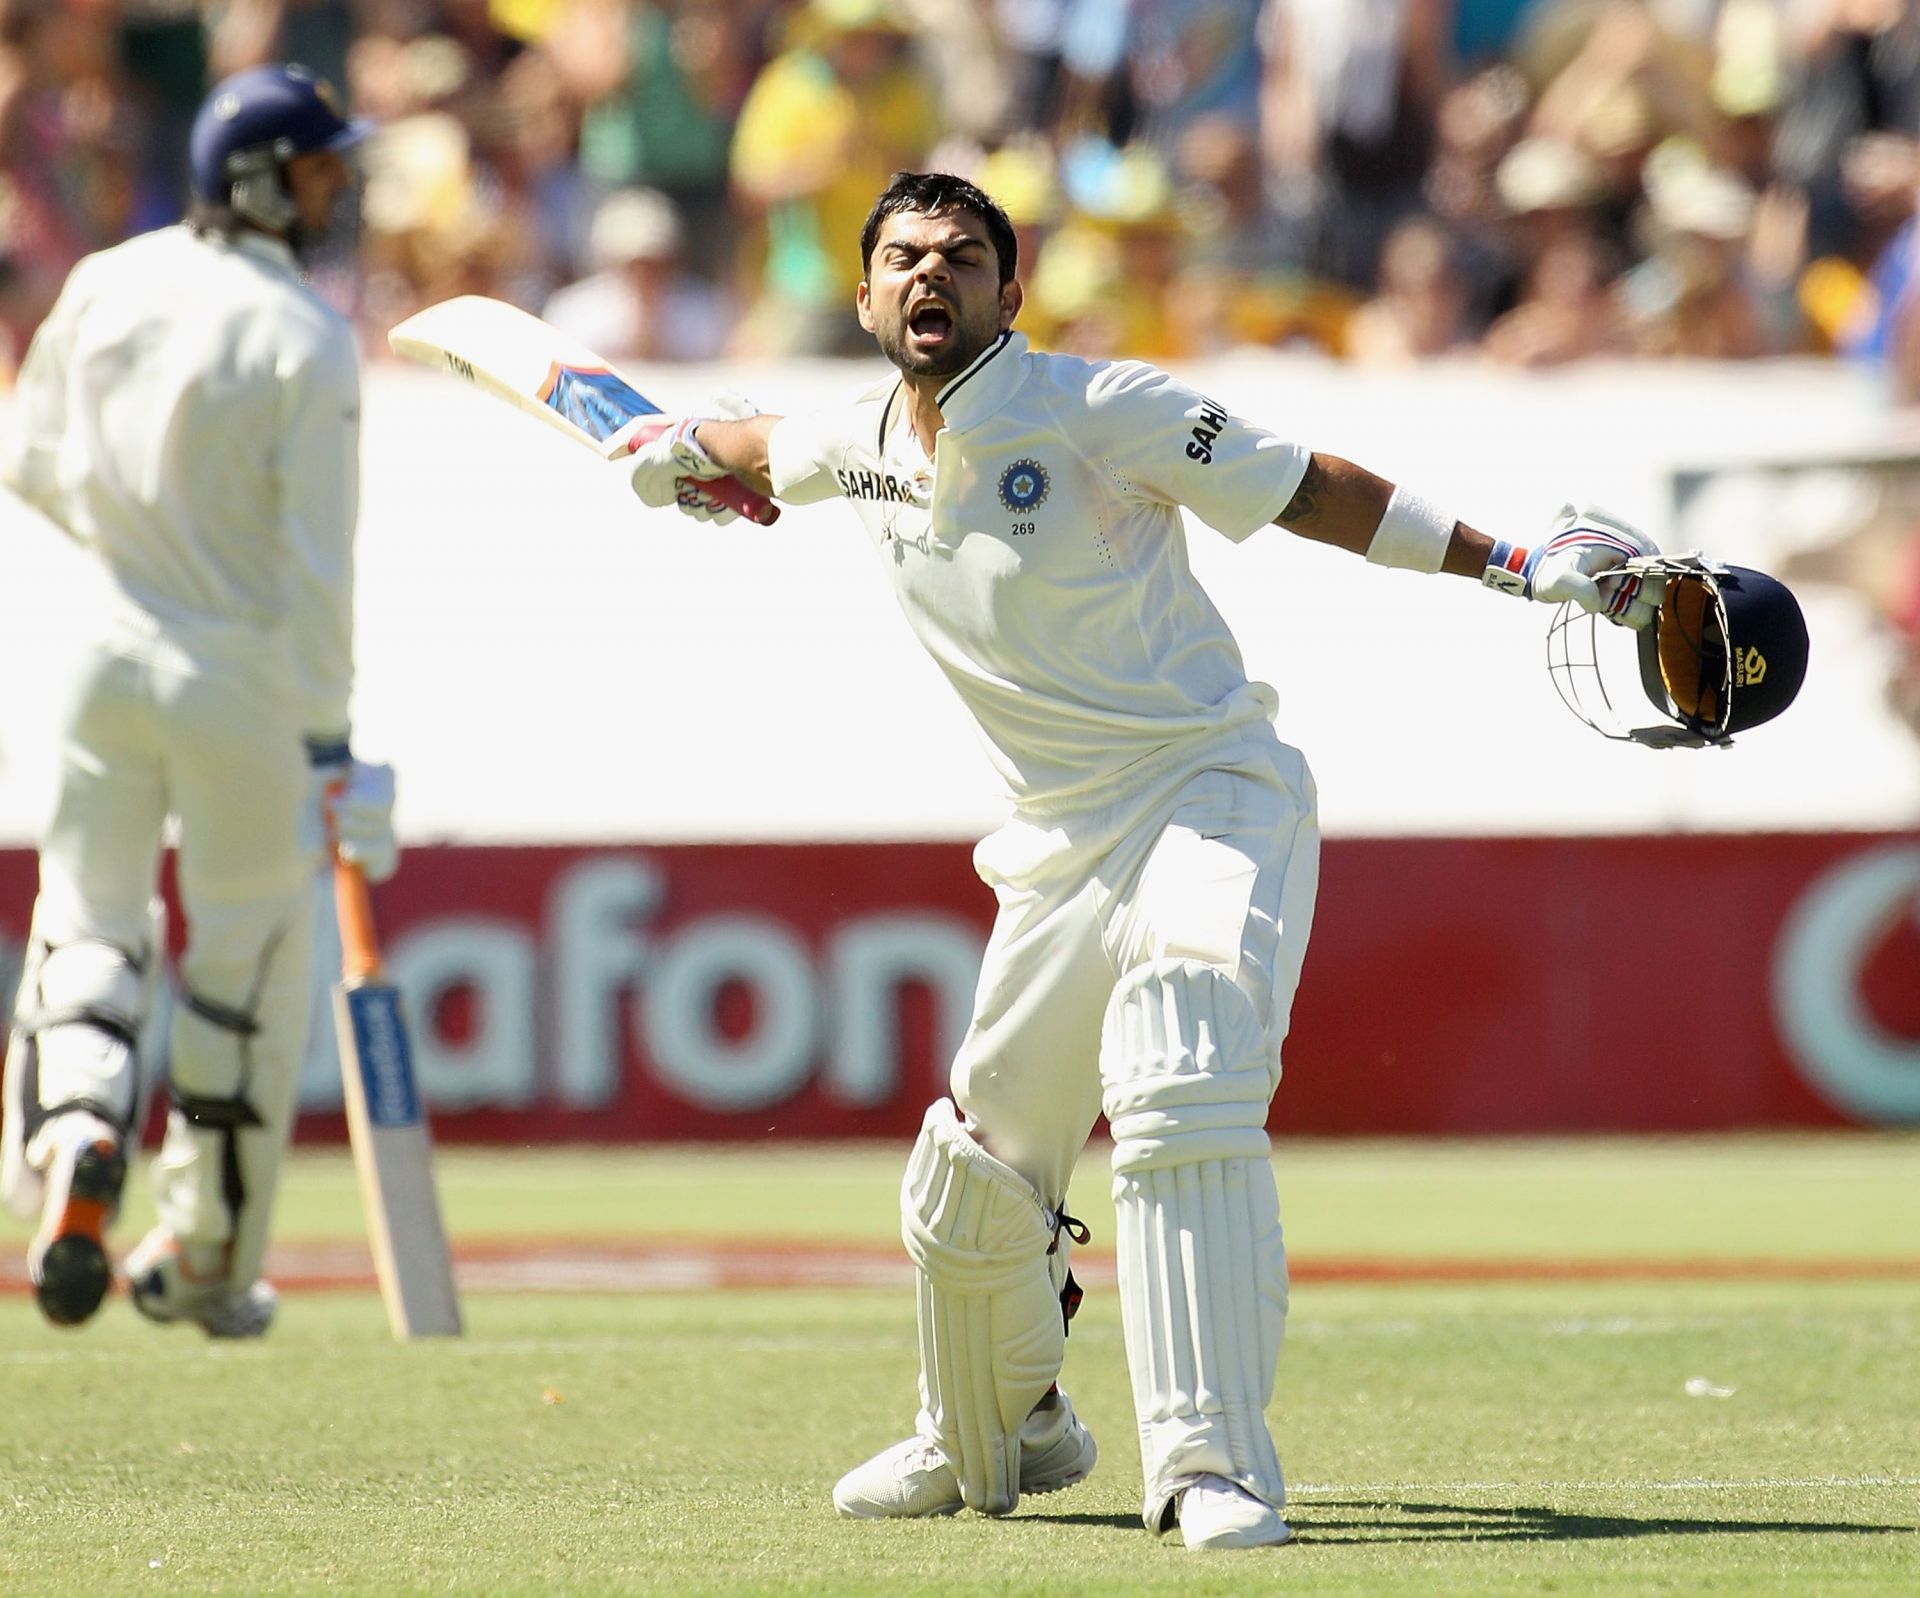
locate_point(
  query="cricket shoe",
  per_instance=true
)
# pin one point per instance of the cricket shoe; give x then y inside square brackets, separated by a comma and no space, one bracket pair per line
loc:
[1216,1513]
[164,1290]
[67,1259]
[912,1479]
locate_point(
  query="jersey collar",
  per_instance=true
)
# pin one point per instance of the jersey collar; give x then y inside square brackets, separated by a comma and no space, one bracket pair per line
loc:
[986,385]
[264,247]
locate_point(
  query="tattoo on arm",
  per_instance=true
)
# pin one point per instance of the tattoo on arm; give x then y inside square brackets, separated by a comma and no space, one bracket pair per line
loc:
[1305,504]
[1336,503]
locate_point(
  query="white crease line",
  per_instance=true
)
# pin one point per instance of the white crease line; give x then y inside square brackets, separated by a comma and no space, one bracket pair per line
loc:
[463,1347]
[1682,1485]
[190,1352]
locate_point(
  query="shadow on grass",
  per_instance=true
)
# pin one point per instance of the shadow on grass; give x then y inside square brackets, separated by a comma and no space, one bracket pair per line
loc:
[1116,1522]
[1386,1521]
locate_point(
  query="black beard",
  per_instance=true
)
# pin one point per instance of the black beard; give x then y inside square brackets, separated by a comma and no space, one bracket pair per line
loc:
[966,349]
[336,242]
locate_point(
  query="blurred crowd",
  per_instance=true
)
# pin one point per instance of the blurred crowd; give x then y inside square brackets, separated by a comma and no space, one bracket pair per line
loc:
[1519,181]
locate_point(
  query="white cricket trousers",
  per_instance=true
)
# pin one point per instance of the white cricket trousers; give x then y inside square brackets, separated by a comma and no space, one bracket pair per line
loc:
[1144,960]
[1219,865]
[199,725]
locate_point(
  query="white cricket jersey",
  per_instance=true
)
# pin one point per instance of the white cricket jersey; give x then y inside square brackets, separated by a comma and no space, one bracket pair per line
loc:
[1041,558]
[190,412]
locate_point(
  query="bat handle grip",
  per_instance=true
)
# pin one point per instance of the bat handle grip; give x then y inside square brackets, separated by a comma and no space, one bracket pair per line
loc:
[352,904]
[359,940]
[755,507]
[730,491]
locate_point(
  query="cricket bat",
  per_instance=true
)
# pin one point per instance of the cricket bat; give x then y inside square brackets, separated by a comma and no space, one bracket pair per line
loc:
[517,357]
[388,1127]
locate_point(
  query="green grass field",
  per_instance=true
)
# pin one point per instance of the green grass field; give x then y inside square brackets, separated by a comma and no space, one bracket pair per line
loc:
[1443,1437]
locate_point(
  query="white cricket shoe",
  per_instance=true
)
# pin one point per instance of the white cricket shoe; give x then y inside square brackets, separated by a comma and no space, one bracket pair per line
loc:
[1215,1513]
[163,1291]
[912,1479]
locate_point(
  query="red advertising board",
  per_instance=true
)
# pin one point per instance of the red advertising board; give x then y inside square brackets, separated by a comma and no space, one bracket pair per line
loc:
[762,991]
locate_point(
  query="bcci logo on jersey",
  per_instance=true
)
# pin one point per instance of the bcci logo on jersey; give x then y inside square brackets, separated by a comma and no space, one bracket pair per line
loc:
[1023,485]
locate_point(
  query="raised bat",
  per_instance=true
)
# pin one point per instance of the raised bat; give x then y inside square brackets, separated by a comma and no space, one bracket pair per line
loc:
[518,358]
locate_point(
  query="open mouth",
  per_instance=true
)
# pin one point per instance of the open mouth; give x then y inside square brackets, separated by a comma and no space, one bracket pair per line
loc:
[930,323]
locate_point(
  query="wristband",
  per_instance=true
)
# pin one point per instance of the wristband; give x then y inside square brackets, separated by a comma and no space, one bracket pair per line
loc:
[1508,569]
[332,751]
[1412,534]
[684,439]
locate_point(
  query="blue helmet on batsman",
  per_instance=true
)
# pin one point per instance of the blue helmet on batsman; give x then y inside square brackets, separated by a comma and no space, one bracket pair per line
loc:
[251,125]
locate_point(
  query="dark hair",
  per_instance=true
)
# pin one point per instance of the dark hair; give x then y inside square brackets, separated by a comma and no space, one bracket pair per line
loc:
[931,193]
[210,219]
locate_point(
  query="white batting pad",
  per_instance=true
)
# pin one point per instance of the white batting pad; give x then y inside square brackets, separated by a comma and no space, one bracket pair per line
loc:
[991,1336]
[214,1183]
[58,1052]
[1202,1264]
[84,988]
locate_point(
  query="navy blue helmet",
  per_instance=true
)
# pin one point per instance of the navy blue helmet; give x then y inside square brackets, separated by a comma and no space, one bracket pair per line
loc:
[251,125]
[1727,652]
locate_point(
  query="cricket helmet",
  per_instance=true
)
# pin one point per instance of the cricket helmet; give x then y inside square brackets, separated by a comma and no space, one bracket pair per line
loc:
[251,125]
[1727,651]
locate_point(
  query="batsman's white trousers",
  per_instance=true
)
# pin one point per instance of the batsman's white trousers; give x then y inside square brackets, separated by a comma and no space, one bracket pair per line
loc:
[1210,867]
[1218,864]
[198,725]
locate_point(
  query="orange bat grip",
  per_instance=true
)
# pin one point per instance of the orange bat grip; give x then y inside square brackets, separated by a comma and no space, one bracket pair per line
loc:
[352,907]
[359,941]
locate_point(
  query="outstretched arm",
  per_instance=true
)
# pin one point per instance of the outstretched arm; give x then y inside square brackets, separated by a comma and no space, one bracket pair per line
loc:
[1342,504]
[1579,561]
[739,447]
[788,458]
[682,462]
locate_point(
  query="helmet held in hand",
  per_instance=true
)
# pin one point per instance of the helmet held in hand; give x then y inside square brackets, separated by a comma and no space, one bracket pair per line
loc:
[1727,652]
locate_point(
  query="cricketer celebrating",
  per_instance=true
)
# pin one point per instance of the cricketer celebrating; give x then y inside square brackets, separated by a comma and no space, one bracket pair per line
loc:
[189,414]
[1155,879]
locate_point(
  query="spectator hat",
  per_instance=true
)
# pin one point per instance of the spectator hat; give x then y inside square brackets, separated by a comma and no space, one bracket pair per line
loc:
[632,225]
[1708,201]
[1541,174]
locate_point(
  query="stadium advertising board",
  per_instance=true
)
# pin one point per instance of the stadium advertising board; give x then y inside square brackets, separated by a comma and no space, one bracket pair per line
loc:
[761,991]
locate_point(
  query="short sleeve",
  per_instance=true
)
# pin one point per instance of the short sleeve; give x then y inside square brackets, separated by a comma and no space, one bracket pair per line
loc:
[1164,441]
[804,453]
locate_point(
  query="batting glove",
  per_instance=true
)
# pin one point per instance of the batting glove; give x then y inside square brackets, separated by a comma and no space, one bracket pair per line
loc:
[1580,563]
[351,804]
[669,467]
[695,499]
[698,501]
